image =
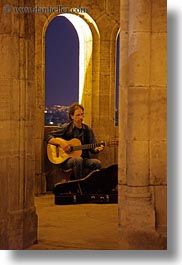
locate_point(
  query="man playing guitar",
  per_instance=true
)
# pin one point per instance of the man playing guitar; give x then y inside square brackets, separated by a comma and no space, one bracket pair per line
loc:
[62,141]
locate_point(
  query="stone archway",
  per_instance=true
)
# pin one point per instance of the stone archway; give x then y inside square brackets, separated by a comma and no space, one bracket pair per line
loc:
[92,94]
[142,134]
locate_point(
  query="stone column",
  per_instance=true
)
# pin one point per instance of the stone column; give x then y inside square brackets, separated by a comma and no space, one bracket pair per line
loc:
[18,219]
[108,27]
[137,213]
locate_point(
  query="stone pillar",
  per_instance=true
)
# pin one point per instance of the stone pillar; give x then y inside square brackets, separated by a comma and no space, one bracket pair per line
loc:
[40,179]
[137,213]
[18,219]
[108,29]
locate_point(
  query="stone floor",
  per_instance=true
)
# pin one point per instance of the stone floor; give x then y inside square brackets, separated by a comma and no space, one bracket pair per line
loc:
[76,227]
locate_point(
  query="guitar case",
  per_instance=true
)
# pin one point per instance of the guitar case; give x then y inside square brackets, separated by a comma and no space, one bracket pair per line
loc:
[100,186]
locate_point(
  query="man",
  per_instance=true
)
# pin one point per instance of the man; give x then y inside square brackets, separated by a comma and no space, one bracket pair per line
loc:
[76,129]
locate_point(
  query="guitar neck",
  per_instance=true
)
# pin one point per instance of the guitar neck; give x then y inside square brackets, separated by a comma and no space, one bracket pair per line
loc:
[86,146]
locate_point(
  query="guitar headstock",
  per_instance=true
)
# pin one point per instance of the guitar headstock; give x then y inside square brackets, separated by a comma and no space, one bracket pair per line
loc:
[108,143]
[112,143]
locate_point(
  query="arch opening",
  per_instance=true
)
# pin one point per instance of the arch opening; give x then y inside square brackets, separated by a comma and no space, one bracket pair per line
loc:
[85,47]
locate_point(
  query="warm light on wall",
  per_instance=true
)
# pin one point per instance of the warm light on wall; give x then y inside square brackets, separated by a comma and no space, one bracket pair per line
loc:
[85,47]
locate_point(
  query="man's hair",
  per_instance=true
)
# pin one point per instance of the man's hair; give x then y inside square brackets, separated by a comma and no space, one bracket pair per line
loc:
[74,107]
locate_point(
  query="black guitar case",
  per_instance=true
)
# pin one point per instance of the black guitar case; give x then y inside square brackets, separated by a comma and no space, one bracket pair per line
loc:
[100,186]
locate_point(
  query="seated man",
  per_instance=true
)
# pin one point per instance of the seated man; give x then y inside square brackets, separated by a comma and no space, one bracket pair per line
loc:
[76,129]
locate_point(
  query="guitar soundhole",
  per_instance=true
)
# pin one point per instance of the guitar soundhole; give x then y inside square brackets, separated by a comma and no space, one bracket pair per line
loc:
[71,149]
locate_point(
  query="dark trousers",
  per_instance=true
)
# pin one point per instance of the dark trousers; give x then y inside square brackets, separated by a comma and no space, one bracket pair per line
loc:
[81,166]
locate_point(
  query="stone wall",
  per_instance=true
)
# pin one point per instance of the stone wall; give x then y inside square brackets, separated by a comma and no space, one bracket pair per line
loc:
[18,220]
[142,115]
[142,156]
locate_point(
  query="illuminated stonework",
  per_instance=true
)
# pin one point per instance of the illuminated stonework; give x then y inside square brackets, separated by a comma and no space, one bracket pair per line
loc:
[85,48]
[141,154]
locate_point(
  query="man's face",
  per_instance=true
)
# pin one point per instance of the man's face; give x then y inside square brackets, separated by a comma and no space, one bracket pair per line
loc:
[77,117]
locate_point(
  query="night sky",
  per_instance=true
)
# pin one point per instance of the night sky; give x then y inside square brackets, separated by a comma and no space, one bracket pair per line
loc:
[62,60]
[62,63]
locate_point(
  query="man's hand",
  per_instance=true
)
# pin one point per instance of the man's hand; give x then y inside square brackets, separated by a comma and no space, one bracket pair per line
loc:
[99,148]
[67,148]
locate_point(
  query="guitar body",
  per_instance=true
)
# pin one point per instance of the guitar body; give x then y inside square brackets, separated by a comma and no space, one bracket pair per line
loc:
[57,155]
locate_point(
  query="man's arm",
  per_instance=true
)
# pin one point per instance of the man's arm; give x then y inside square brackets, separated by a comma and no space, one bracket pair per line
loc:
[55,138]
[61,142]
[55,134]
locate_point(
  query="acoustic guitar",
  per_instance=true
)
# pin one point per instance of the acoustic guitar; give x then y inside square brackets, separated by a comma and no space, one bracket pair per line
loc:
[57,155]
